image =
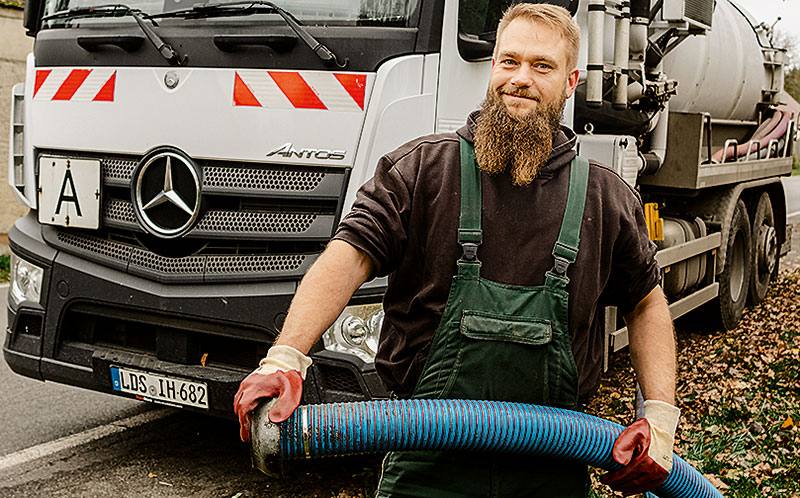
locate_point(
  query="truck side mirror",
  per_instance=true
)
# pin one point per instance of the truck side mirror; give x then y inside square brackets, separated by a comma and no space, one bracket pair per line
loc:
[32,19]
[473,49]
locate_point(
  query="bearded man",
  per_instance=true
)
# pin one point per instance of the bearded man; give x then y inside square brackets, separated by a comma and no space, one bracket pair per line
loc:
[502,249]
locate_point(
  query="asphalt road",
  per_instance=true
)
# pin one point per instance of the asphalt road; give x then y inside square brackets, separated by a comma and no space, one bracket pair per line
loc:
[791,186]
[35,412]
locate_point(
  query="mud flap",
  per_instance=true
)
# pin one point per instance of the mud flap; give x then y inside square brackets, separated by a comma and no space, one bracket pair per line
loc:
[787,245]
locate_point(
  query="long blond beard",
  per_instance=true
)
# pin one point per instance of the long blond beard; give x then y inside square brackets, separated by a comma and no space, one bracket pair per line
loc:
[523,143]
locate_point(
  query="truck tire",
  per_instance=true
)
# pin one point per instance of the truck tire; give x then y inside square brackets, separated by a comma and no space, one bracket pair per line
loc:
[765,249]
[734,281]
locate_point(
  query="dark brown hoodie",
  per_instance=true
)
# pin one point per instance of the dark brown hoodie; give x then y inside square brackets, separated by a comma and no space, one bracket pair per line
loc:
[406,219]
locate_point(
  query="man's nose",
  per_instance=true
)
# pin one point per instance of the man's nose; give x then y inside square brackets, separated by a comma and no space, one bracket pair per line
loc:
[523,77]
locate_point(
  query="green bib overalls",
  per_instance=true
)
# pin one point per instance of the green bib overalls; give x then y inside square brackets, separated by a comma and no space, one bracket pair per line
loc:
[498,342]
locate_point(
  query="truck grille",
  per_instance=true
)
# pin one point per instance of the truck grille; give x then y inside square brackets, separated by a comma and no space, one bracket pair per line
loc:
[229,224]
[229,176]
[289,181]
[260,221]
[339,379]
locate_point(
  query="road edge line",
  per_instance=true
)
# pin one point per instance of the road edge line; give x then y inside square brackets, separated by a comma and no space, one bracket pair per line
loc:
[72,441]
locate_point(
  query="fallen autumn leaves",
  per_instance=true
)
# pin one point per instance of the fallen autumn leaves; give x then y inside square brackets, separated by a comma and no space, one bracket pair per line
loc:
[739,392]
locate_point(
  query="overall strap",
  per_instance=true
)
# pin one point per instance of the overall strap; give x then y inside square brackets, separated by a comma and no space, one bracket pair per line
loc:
[470,234]
[565,250]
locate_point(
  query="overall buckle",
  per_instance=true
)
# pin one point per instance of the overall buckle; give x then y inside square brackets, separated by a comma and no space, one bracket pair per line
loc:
[561,265]
[469,239]
[470,252]
[565,251]
[564,256]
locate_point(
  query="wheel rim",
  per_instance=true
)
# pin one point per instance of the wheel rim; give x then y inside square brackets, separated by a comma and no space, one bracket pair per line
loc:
[765,245]
[737,265]
[771,249]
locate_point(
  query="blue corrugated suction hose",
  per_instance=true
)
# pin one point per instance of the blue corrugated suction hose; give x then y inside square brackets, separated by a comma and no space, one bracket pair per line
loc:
[455,424]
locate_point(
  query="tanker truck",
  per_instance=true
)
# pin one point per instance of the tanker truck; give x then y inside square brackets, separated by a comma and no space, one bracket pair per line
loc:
[172,218]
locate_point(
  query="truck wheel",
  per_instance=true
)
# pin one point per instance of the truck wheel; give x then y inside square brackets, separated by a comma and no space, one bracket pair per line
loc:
[734,280]
[765,249]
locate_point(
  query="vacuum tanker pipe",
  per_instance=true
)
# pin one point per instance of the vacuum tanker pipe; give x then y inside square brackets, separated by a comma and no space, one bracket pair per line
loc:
[452,424]
[594,66]
[637,50]
[640,9]
[622,37]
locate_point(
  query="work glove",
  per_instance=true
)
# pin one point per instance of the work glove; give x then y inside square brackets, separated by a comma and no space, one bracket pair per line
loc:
[280,373]
[644,450]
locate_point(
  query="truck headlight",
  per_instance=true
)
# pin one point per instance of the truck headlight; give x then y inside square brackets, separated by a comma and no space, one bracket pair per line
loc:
[356,331]
[26,280]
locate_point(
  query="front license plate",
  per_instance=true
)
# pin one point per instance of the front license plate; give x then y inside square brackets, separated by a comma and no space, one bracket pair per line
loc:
[159,389]
[69,192]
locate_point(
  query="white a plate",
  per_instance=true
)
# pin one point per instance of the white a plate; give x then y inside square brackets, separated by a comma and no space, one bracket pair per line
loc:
[69,192]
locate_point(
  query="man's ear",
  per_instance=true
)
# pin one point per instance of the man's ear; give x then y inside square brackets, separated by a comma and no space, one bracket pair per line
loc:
[572,82]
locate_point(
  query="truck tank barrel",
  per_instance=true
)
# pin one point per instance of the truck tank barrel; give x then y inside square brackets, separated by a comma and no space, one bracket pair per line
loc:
[729,57]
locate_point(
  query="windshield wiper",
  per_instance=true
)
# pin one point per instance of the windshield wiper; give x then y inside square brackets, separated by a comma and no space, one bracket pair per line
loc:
[120,10]
[258,6]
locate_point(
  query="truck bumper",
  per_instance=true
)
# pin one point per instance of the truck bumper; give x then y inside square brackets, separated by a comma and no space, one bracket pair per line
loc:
[91,317]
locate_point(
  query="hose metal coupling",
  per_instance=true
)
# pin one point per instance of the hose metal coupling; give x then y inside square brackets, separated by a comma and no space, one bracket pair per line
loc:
[265,441]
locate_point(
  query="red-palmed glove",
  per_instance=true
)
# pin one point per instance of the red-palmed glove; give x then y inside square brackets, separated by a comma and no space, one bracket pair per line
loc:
[644,450]
[281,373]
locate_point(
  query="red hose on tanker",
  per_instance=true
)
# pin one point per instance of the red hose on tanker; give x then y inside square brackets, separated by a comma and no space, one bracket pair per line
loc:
[777,130]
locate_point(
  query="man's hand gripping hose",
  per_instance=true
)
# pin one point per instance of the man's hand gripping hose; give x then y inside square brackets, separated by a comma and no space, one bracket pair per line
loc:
[457,425]
[644,450]
[280,373]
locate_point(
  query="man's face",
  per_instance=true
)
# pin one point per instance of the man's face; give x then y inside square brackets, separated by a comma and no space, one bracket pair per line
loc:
[530,67]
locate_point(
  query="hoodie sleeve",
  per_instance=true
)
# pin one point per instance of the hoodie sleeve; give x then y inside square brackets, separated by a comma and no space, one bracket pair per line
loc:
[378,221]
[634,270]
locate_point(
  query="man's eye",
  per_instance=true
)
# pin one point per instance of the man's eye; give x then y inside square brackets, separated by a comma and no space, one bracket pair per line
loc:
[508,62]
[543,66]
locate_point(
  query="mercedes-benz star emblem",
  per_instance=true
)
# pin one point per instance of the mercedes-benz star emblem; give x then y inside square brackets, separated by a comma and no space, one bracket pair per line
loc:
[166,193]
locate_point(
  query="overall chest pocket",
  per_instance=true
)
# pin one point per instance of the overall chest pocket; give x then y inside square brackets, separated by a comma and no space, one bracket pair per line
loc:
[482,325]
[502,357]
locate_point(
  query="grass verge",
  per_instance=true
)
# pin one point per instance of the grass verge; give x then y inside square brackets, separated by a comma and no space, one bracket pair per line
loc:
[5,266]
[739,392]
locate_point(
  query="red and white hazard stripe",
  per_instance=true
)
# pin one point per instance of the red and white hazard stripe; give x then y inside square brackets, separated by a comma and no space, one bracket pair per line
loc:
[343,92]
[75,85]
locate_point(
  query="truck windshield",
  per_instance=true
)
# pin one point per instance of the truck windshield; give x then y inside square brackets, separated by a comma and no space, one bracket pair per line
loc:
[309,12]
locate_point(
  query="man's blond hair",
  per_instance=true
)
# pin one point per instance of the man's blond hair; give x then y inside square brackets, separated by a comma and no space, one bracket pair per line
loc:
[554,16]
